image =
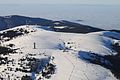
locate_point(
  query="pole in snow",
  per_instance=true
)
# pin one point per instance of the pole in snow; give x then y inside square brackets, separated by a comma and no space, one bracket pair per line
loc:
[34,45]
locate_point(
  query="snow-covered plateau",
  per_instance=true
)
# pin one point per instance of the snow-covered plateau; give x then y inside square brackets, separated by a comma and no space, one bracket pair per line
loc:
[38,54]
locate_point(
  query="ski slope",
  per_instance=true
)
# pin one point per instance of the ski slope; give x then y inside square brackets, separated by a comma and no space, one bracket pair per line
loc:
[64,47]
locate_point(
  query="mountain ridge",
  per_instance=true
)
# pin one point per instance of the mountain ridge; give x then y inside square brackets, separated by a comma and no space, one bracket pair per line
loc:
[16,20]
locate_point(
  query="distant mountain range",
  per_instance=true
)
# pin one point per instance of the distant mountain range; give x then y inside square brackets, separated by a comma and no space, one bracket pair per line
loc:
[15,20]
[11,21]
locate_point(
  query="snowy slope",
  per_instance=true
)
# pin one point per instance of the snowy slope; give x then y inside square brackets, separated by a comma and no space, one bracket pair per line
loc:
[64,47]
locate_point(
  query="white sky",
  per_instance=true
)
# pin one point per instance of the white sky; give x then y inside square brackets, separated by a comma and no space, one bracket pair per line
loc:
[60,2]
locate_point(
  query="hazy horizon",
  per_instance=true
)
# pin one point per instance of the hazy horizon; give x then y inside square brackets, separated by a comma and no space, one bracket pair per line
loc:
[60,2]
[101,16]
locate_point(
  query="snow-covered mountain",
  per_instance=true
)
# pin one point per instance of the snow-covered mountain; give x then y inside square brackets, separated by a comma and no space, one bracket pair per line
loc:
[37,53]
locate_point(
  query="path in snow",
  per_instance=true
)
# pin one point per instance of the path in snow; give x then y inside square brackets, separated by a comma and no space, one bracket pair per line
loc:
[64,66]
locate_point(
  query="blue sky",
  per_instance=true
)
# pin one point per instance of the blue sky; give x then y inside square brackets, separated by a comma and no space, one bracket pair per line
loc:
[60,2]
